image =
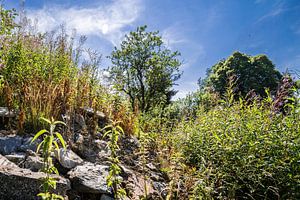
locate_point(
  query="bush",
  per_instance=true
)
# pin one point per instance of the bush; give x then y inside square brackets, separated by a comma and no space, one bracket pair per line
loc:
[245,152]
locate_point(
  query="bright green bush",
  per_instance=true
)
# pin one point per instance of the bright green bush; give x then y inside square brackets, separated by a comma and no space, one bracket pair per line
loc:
[245,152]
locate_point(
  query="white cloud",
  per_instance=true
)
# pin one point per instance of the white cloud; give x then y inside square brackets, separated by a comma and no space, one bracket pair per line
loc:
[278,9]
[172,36]
[106,21]
[186,88]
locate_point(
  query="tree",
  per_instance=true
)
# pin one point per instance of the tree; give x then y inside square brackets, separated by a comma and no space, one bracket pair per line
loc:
[251,73]
[145,69]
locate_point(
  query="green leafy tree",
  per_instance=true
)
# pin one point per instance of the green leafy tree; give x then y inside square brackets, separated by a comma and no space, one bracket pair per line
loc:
[251,73]
[145,69]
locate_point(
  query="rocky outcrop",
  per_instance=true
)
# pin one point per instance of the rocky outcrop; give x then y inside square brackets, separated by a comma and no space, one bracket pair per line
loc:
[90,178]
[23,184]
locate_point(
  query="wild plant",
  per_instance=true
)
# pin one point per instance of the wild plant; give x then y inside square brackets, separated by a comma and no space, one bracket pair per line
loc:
[244,152]
[49,144]
[114,131]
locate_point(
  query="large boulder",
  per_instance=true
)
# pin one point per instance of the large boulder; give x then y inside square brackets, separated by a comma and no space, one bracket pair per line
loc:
[67,158]
[90,178]
[23,184]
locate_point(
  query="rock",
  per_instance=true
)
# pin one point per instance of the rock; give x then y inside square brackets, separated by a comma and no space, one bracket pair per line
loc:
[79,119]
[129,144]
[4,162]
[4,112]
[27,145]
[151,167]
[91,112]
[17,183]
[13,143]
[67,158]
[10,144]
[90,178]
[106,197]
[103,150]
[161,188]
[34,163]
[16,158]
[93,150]
[135,184]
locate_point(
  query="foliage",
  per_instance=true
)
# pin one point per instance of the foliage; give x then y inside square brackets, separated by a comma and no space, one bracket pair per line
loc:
[44,75]
[49,145]
[251,72]
[7,23]
[144,69]
[245,152]
[113,180]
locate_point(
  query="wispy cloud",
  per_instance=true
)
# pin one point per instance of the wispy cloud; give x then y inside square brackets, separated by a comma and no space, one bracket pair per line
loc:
[106,21]
[175,38]
[277,9]
[185,89]
[171,36]
[292,63]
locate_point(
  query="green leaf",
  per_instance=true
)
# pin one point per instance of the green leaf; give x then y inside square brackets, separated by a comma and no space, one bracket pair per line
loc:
[59,122]
[106,133]
[46,120]
[39,146]
[41,132]
[57,147]
[61,139]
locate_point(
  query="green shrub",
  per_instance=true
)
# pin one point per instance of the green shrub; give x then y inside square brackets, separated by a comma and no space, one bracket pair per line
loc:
[245,152]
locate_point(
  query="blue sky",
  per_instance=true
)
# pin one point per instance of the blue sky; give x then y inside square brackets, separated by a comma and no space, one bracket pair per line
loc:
[203,31]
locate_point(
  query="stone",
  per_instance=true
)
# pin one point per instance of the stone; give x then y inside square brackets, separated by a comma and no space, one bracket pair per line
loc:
[79,119]
[91,112]
[92,150]
[103,150]
[4,112]
[106,197]
[161,188]
[34,163]
[4,162]
[17,183]
[17,158]
[10,144]
[67,158]
[135,184]
[90,178]
[27,145]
